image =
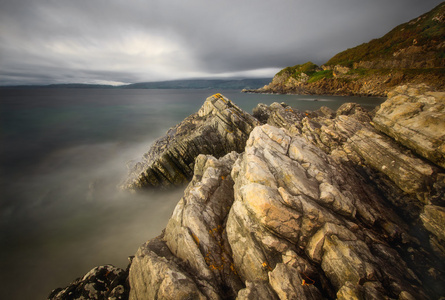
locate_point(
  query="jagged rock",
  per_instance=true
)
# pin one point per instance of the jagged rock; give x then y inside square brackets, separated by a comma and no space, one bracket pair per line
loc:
[101,283]
[155,274]
[316,205]
[281,205]
[196,231]
[218,128]
[415,117]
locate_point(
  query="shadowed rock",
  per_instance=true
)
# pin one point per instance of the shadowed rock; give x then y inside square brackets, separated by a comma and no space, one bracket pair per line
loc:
[218,128]
[101,283]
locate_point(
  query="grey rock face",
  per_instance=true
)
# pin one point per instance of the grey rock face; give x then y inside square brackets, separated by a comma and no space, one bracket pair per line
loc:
[218,128]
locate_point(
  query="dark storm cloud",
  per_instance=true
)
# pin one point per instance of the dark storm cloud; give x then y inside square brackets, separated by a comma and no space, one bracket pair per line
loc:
[127,41]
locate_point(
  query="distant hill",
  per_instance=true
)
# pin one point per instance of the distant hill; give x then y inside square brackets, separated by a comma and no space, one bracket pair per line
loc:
[413,52]
[202,84]
[246,83]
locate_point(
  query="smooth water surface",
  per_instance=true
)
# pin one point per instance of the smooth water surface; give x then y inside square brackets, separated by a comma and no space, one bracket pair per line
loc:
[62,154]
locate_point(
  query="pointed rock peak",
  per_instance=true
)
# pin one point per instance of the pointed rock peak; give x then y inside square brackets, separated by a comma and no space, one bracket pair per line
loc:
[216,103]
[218,128]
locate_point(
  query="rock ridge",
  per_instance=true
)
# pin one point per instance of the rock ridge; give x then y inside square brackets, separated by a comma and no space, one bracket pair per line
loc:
[316,205]
[218,128]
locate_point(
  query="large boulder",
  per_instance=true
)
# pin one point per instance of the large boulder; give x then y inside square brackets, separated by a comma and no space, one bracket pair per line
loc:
[218,128]
[415,117]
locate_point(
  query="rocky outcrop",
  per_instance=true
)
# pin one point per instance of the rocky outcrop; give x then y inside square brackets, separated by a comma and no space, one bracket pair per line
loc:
[195,237]
[415,117]
[352,81]
[218,128]
[411,53]
[318,205]
[101,283]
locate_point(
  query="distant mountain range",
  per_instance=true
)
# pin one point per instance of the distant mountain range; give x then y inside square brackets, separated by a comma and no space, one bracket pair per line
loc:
[232,83]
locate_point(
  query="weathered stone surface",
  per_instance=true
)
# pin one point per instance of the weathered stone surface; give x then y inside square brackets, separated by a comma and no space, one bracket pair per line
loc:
[433,219]
[196,231]
[292,214]
[316,205]
[218,128]
[302,199]
[260,290]
[156,274]
[415,117]
[104,282]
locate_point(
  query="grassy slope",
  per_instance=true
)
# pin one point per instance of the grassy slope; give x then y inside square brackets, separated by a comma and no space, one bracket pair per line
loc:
[425,30]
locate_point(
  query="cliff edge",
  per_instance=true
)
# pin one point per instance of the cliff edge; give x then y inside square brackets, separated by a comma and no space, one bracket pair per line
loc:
[317,205]
[411,53]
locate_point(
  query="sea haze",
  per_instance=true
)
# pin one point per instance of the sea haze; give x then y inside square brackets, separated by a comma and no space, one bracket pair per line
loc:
[62,154]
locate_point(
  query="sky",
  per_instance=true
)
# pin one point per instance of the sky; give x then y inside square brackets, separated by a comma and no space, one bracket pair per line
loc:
[128,41]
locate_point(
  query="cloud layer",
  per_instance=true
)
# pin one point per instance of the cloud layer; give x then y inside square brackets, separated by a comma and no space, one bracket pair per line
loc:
[115,41]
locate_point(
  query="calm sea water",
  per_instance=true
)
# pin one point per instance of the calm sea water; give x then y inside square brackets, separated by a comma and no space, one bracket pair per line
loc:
[62,154]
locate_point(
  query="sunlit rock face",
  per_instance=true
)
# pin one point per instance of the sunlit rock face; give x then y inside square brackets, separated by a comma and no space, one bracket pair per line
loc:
[415,117]
[218,128]
[316,205]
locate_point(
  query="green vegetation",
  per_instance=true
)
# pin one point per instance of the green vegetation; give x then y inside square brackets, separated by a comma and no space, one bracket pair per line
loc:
[308,68]
[320,75]
[411,52]
[426,31]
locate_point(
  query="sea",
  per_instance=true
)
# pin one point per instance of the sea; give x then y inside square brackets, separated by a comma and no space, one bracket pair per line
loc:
[63,152]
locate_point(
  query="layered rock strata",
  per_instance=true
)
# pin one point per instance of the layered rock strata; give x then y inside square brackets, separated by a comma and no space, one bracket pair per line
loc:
[317,205]
[218,128]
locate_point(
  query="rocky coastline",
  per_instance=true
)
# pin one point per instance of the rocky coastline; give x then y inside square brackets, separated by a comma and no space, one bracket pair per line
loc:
[285,204]
[348,81]
[411,53]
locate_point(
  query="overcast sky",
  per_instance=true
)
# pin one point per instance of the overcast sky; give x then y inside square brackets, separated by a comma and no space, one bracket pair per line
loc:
[123,41]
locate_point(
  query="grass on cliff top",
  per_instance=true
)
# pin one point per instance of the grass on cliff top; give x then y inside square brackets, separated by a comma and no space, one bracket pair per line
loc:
[308,68]
[427,30]
[320,75]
